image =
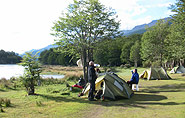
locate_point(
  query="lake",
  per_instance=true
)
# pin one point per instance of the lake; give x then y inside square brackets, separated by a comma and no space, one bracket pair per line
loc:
[12,70]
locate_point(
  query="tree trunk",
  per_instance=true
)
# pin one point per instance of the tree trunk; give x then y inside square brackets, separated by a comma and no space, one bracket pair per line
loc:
[31,88]
[84,63]
[173,63]
[181,60]
[135,64]
[161,60]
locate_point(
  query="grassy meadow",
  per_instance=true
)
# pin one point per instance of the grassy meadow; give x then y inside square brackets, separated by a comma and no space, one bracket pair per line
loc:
[155,99]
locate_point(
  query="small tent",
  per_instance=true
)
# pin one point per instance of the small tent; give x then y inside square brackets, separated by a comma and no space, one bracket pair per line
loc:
[79,63]
[179,69]
[112,87]
[155,73]
[144,75]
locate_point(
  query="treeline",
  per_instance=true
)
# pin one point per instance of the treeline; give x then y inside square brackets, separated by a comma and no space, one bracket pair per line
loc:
[9,57]
[161,45]
[112,52]
[155,47]
[119,51]
[52,57]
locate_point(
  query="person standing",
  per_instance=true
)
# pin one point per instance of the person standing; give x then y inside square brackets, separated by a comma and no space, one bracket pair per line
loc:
[134,79]
[91,79]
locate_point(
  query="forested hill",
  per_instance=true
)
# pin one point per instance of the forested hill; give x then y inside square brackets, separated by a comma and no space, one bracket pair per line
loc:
[34,51]
[9,57]
[140,29]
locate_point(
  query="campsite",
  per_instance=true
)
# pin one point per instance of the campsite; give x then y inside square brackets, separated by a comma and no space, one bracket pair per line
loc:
[92,59]
[155,98]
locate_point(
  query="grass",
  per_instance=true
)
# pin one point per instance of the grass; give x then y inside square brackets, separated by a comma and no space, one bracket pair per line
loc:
[156,99]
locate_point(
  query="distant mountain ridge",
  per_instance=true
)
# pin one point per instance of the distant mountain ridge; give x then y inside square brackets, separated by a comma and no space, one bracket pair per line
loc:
[140,29]
[34,51]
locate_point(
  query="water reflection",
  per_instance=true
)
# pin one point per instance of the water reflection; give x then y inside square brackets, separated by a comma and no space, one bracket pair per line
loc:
[12,70]
[53,76]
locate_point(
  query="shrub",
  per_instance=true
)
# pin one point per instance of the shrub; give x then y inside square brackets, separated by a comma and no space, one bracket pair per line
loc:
[4,83]
[7,103]
[4,103]
[50,81]
[127,66]
[73,78]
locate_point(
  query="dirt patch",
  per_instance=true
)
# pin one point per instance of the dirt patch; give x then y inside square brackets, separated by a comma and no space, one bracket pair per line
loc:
[94,112]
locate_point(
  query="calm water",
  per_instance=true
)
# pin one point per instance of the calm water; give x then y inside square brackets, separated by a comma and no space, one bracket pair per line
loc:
[12,70]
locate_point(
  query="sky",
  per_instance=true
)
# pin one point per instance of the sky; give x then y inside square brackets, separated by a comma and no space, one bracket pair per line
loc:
[26,24]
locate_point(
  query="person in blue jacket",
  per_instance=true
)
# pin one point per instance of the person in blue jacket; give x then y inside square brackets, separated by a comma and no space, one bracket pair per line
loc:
[134,79]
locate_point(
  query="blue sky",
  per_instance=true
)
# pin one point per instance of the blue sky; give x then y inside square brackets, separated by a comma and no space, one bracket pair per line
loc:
[26,24]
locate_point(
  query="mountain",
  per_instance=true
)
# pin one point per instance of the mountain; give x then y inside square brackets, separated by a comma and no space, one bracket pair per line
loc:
[140,29]
[34,51]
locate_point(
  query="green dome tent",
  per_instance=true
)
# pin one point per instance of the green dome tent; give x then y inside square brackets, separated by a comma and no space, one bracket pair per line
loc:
[112,87]
[155,74]
[179,69]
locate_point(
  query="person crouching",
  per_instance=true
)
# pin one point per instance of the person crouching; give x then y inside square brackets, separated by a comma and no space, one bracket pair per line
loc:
[134,79]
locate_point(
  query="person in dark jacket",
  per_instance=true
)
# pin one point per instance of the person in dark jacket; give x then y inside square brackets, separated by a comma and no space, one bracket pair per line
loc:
[91,79]
[134,79]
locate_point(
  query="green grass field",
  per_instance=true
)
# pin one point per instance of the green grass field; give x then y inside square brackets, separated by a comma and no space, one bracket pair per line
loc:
[156,99]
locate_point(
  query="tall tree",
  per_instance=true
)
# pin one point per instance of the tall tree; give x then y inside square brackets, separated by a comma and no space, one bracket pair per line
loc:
[128,42]
[153,42]
[135,53]
[85,23]
[176,38]
[125,52]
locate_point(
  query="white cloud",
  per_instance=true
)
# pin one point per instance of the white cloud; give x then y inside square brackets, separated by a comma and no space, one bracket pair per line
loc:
[126,10]
[26,24]
[164,4]
[169,13]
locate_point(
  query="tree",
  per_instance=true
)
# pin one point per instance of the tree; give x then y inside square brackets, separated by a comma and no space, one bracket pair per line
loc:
[108,52]
[153,42]
[125,53]
[101,53]
[128,42]
[176,38]
[85,23]
[9,57]
[53,57]
[135,53]
[32,72]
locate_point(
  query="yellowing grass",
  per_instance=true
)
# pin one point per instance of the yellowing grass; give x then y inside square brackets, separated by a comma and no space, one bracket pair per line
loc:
[156,99]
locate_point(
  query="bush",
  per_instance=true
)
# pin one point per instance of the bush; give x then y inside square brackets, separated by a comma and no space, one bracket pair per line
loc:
[50,81]
[7,103]
[12,83]
[4,83]
[127,66]
[73,78]
[4,103]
